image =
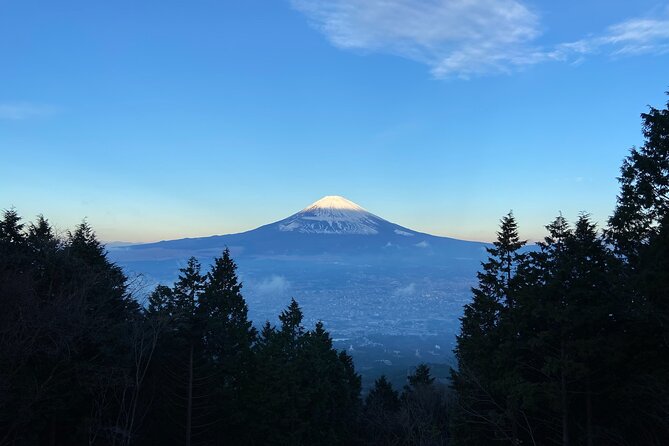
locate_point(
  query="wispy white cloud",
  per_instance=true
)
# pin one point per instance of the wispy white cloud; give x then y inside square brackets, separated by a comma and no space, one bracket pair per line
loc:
[461,37]
[25,110]
[405,291]
[273,285]
[464,38]
[631,37]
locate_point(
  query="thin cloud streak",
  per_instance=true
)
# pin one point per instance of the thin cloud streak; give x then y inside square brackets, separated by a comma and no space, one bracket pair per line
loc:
[632,37]
[465,38]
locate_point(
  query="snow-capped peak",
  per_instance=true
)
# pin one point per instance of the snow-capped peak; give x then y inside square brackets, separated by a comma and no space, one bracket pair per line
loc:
[333,202]
[332,215]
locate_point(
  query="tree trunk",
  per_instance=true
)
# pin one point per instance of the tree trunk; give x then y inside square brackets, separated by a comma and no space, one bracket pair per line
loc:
[189,410]
[588,412]
[563,398]
[52,432]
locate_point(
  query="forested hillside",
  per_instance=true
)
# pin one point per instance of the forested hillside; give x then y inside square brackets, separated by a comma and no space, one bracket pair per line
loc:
[570,344]
[565,345]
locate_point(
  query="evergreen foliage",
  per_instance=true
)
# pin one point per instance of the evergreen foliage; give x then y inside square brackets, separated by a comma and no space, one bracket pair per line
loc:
[307,393]
[644,188]
[383,395]
[82,362]
[66,356]
[420,377]
[419,416]
[568,344]
[564,344]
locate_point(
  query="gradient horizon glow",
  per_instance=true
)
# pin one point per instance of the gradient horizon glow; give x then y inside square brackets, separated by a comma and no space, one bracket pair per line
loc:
[162,120]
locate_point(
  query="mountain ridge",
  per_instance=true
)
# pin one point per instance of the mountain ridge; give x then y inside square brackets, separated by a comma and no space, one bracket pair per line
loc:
[331,225]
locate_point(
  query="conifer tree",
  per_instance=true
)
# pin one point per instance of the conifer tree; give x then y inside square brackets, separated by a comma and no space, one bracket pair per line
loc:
[184,362]
[66,315]
[638,231]
[352,383]
[380,421]
[11,228]
[643,201]
[423,414]
[291,325]
[305,392]
[493,294]
[40,237]
[566,331]
[420,377]
[322,387]
[187,291]
[269,396]
[383,395]
[76,355]
[485,326]
[228,336]
[161,302]
[228,333]
[278,397]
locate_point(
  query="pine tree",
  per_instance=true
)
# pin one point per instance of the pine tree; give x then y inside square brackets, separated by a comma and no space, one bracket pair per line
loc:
[161,302]
[228,336]
[187,291]
[66,315]
[643,201]
[484,348]
[41,238]
[278,397]
[291,325]
[423,415]
[77,355]
[493,294]
[183,359]
[638,231]
[595,305]
[321,385]
[305,392]
[380,416]
[567,319]
[228,332]
[383,395]
[352,385]
[270,393]
[13,250]
[11,228]
[572,348]
[567,332]
[420,377]
[647,354]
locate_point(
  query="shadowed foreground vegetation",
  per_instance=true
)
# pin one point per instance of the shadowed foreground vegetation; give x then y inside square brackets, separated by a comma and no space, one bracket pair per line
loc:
[567,344]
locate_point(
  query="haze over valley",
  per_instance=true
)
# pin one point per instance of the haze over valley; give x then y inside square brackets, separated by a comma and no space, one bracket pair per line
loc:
[389,295]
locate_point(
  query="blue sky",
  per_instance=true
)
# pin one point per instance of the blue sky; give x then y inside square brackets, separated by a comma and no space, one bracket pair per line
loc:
[167,119]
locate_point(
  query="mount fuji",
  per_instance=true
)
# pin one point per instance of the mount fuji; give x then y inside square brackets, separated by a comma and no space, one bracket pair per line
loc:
[380,288]
[331,226]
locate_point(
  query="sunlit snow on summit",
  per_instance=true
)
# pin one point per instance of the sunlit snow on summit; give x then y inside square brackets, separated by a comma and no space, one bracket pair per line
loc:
[334,202]
[333,214]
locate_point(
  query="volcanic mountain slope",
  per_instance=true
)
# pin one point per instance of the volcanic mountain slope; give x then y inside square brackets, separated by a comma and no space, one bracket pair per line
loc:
[331,226]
